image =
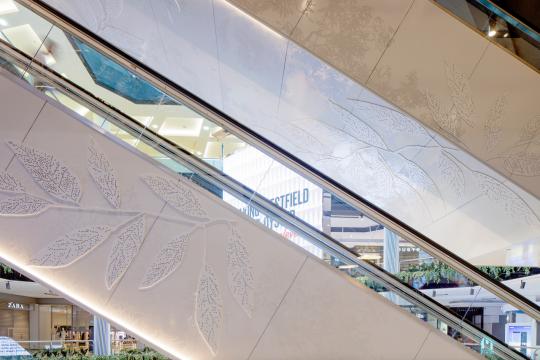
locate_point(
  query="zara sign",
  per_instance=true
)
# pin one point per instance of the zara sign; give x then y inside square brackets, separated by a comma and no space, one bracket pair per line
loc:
[17,306]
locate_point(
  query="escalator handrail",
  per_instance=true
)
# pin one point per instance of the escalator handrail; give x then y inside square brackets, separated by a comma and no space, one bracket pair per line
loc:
[216,177]
[182,95]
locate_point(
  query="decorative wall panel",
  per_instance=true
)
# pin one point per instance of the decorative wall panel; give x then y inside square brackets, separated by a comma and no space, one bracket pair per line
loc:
[434,68]
[185,272]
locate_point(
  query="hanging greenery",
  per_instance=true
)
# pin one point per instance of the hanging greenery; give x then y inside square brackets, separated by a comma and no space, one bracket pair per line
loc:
[436,273]
[5,269]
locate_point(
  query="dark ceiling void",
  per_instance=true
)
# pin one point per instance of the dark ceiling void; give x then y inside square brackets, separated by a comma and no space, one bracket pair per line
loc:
[527,11]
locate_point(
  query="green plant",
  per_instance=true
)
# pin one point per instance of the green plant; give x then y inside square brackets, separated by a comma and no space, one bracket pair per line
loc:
[436,273]
[6,269]
[57,354]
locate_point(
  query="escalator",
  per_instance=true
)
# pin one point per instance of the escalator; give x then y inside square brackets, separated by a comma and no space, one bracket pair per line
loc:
[480,183]
[128,254]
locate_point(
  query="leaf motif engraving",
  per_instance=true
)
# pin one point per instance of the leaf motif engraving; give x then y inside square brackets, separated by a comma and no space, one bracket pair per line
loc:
[302,138]
[523,164]
[50,173]
[510,202]
[531,129]
[209,308]
[174,194]
[492,125]
[370,166]
[103,174]
[23,204]
[360,130]
[448,122]
[9,183]
[418,178]
[452,174]
[71,247]
[394,122]
[240,273]
[167,261]
[460,93]
[112,8]
[127,242]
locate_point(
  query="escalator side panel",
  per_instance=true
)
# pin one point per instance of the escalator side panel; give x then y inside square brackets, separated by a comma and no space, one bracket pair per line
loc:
[195,311]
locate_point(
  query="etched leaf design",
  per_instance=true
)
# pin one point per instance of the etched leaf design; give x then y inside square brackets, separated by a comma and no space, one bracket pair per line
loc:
[23,204]
[531,129]
[50,173]
[112,8]
[9,183]
[523,164]
[302,138]
[509,201]
[448,122]
[127,242]
[370,166]
[418,178]
[167,261]
[492,125]
[71,247]
[174,194]
[394,122]
[240,273]
[460,93]
[209,308]
[360,130]
[452,174]
[103,174]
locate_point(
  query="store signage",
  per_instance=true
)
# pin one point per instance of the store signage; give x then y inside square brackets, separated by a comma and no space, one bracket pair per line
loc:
[17,306]
[291,199]
[279,185]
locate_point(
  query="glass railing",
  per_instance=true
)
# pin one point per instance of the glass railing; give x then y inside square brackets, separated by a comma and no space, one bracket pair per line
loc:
[134,110]
[499,26]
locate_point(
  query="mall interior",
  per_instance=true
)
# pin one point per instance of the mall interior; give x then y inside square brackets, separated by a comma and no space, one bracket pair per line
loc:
[270,179]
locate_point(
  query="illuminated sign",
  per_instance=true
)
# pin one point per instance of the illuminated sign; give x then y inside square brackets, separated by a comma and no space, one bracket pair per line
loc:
[281,186]
[17,306]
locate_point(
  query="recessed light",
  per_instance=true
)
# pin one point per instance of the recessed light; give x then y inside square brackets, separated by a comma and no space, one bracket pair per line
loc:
[206,127]
[154,126]
[492,33]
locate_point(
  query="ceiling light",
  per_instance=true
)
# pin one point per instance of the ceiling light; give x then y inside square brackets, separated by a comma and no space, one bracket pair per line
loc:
[369,256]
[492,33]
[352,266]
[206,127]
[3,22]
[7,7]
[505,34]
[154,126]
[82,110]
